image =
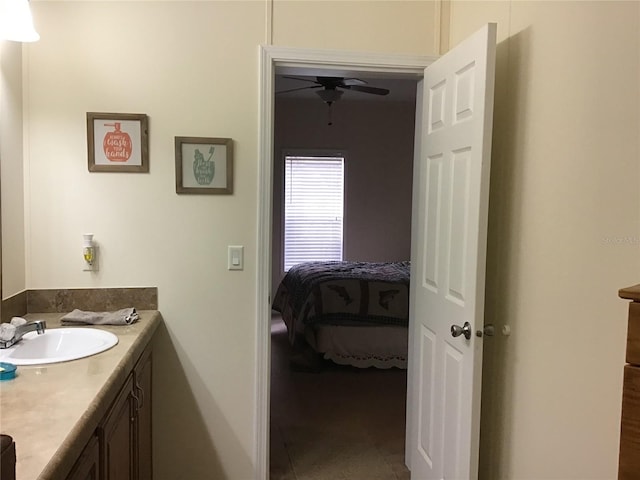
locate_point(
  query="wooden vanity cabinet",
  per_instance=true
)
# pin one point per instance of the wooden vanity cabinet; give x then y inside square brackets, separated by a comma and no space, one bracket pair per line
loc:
[629,459]
[87,467]
[142,384]
[123,438]
[117,439]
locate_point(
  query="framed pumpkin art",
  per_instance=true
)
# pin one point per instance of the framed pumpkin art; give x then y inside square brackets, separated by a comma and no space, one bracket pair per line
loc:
[204,165]
[118,142]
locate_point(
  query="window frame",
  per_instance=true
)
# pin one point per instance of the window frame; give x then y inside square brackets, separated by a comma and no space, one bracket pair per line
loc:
[311,153]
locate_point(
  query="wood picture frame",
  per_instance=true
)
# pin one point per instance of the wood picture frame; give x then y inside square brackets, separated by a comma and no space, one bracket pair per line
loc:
[196,174]
[118,142]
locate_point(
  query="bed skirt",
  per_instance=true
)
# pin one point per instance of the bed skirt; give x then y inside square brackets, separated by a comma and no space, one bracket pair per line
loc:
[379,346]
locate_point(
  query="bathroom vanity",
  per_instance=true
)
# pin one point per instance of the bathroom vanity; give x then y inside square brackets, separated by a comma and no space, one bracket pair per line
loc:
[87,419]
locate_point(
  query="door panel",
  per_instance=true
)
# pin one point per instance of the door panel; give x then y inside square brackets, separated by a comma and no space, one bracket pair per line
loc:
[427,393]
[432,234]
[451,180]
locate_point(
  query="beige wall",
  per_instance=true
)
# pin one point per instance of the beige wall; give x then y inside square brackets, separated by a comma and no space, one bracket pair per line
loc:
[174,62]
[389,26]
[11,175]
[564,232]
[193,68]
[377,137]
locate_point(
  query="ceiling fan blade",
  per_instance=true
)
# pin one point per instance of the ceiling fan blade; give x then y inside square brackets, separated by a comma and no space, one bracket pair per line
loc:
[299,78]
[353,81]
[299,88]
[367,89]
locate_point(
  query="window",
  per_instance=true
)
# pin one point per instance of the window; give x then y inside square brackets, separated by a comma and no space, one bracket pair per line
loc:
[313,209]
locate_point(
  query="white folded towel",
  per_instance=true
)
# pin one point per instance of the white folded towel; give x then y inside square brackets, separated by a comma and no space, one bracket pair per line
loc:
[125,316]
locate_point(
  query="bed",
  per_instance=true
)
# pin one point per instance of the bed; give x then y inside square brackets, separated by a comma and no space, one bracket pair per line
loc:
[352,313]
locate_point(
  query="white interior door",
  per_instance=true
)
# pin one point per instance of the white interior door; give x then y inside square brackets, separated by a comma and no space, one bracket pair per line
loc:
[451,187]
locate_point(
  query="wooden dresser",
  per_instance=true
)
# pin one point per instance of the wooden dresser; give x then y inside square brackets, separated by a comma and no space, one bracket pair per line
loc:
[629,461]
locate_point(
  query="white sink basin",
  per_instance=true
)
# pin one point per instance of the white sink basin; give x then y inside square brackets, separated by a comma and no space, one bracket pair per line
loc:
[58,345]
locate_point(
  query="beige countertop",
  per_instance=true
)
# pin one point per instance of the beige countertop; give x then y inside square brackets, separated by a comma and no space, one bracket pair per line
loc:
[52,410]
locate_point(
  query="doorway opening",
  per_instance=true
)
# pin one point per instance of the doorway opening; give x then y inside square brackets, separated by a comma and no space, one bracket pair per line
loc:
[449,230]
[338,392]
[286,62]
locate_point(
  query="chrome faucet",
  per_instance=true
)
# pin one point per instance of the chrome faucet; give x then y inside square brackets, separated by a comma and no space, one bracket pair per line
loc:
[35,326]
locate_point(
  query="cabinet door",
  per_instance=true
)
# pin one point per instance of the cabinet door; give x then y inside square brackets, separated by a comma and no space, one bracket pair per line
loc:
[629,462]
[87,466]
[142,389]
[118,437]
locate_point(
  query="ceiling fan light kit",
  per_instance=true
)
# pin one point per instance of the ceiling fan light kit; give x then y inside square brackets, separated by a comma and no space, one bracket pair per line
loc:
[330,96]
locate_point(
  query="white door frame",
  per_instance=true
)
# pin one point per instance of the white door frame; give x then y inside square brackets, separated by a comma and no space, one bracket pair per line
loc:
[288,60]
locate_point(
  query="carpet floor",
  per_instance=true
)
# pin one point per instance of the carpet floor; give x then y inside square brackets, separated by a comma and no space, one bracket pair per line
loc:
[340,423]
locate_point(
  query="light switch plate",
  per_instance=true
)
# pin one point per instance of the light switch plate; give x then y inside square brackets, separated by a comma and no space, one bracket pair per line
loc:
[235,258]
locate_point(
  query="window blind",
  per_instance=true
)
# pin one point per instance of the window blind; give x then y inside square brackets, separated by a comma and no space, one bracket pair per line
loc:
[313,209]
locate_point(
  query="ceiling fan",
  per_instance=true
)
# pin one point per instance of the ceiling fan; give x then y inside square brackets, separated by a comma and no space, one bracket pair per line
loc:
[332,88]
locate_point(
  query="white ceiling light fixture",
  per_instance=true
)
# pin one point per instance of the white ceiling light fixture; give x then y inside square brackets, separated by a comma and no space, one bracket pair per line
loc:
[330,95]
[16,22]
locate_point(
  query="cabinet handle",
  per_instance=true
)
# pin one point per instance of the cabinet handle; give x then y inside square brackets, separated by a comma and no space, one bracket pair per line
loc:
[133,394]
[141,392]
